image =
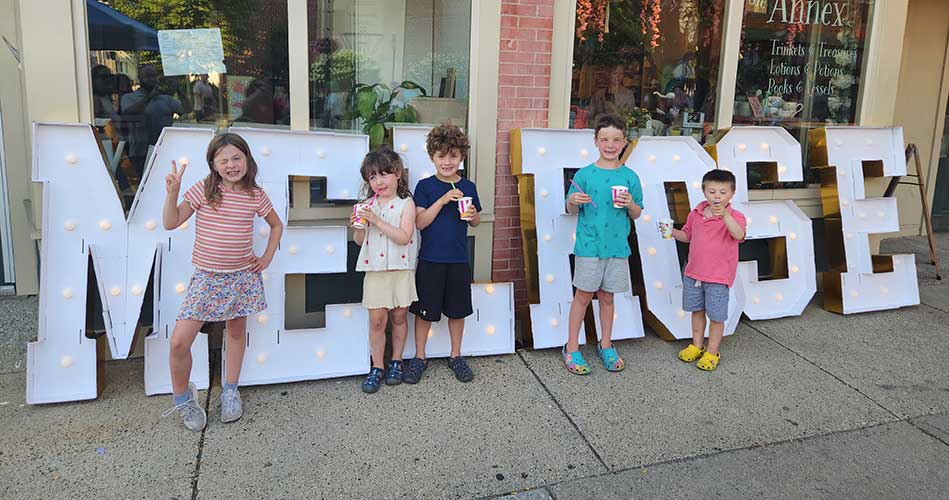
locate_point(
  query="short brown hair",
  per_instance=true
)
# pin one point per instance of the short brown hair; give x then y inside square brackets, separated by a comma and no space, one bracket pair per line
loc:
[609,120]
[446,137]
[719,175]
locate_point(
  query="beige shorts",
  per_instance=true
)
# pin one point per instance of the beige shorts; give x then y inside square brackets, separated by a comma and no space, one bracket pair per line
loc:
[389,289]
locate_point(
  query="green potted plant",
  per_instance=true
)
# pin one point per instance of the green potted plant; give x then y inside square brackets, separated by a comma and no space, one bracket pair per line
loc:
[375,106]
[637,121]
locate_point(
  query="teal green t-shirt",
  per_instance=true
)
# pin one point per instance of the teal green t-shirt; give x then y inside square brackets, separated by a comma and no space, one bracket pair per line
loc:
[602,231]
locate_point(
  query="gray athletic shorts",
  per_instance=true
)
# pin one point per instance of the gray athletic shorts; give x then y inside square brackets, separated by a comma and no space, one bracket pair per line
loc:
[610,275]
[709,297]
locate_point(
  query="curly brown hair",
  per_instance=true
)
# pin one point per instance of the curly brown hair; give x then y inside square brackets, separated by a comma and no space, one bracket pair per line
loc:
[384,161]
[212,182]
[445,138]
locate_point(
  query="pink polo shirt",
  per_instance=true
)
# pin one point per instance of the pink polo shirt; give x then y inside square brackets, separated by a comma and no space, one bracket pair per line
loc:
[713,253]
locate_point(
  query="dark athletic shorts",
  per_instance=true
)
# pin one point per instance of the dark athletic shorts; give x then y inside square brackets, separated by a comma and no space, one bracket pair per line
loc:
[442,289]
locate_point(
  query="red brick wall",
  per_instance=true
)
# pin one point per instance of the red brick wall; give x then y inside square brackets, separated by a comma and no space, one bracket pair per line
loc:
[523,98]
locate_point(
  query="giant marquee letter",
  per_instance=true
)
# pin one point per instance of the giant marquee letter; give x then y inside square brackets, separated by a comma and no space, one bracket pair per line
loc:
[659,160]
[82,216]
[274,353]
[857,280]
[542,155]
[490,329]
[774,146]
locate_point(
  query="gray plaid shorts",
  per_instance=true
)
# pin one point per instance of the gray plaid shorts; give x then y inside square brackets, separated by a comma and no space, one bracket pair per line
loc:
[709,297]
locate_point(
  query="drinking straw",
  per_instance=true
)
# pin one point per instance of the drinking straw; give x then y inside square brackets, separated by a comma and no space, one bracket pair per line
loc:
[453,185]
[580,190]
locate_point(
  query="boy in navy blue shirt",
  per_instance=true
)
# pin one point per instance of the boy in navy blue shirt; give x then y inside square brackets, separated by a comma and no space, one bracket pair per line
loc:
[443,276]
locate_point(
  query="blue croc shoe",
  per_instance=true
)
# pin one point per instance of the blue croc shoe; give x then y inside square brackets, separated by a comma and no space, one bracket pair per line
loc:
[611,360]
[394,377]
[574,362]
[371,384]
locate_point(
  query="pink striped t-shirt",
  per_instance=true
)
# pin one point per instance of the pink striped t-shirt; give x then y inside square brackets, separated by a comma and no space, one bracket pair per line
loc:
[223,240]
[713,253]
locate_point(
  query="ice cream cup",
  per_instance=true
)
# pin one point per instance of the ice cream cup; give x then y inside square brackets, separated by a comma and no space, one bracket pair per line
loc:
[360,222]
[463,203]
[616,191]
[665,228]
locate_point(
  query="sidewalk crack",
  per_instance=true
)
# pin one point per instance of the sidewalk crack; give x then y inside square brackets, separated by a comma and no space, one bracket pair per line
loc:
[933,307]
[926,431]
[565,414]
[207,405]
[828,372]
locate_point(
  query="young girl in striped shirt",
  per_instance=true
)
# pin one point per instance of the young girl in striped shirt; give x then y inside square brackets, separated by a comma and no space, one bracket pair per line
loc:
[226,284]
[389,246]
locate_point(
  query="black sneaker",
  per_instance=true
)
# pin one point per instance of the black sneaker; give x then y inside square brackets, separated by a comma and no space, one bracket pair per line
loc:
[460,367]
[414,370]
[394,376]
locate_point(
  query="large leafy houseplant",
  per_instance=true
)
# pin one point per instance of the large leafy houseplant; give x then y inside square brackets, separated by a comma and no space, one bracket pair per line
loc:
[374,105]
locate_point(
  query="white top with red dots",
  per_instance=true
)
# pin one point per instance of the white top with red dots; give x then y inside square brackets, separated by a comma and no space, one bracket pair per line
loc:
[379,253]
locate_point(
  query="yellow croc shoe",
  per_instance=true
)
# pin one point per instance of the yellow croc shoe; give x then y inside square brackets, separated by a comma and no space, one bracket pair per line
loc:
[690,353]
[709,361]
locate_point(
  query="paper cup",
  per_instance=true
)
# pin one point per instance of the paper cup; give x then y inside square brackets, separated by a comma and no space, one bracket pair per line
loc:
[616,191]
[360,222]
[463,204]
[665,228]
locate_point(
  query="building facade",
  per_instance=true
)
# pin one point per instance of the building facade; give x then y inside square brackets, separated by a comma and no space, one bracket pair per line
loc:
[683,67]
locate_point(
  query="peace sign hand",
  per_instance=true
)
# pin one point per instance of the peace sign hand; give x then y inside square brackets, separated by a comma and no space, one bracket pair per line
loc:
[173,180]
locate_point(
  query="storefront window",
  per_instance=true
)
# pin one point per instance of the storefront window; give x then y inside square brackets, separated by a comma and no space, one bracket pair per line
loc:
[374,62]
[653,62]
[158,63]
[800,64]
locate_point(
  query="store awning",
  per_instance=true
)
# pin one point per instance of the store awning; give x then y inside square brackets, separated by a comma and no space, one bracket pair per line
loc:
[109,29]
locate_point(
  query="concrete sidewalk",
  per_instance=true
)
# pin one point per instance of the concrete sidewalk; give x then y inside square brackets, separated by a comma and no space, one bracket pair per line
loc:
[818,406]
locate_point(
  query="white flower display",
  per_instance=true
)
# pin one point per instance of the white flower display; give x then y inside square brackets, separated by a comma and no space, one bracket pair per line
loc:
[843,59]
[843,81]
[834,103]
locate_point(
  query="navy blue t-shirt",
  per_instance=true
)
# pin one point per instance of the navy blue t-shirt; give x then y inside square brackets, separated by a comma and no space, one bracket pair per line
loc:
[445,240]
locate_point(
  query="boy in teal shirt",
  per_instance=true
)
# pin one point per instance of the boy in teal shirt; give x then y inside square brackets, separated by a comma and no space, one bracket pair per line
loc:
[601,250]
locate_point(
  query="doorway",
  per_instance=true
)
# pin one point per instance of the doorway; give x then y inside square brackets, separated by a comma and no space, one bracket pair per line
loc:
[941,191]
[6,244]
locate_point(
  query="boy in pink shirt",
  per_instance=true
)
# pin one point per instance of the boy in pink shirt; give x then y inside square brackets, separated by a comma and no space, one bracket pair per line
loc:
[713,230]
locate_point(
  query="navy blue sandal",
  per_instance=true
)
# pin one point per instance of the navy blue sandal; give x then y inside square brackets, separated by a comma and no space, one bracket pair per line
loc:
[460,367]
[371,384]
[414,370]
[394,377]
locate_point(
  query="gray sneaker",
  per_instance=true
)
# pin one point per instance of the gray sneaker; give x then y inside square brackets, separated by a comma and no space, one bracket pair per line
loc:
[192,415]
[231,406]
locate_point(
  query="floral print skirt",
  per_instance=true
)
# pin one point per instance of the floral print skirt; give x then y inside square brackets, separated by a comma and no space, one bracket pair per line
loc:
[214,296]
